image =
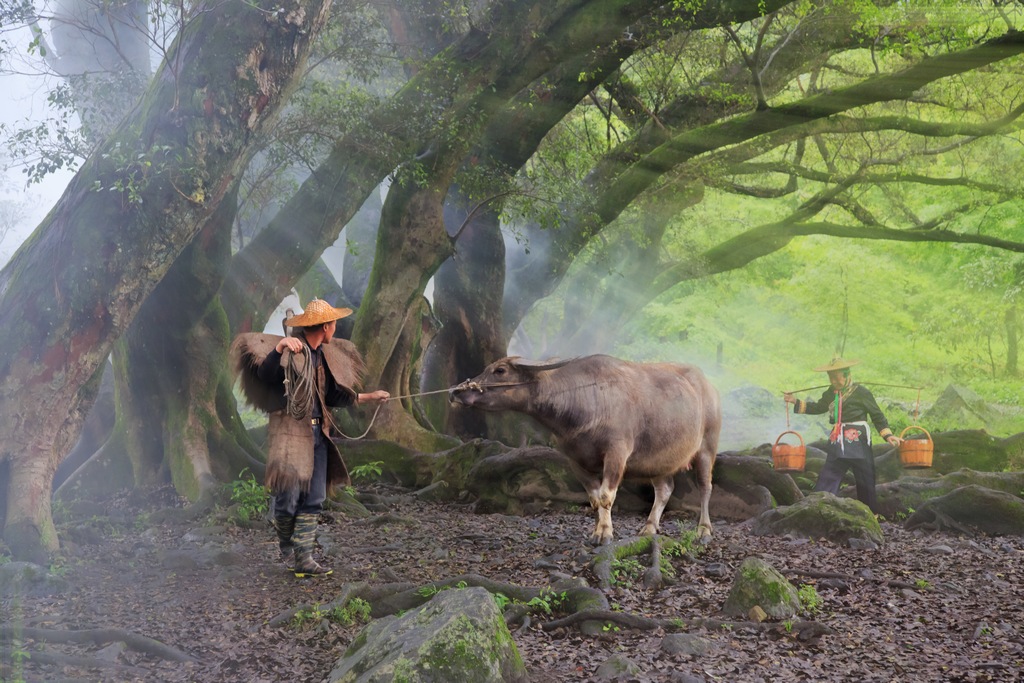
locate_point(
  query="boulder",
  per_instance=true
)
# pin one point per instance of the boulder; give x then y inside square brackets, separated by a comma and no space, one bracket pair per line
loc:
[758,584]
[899,498]
[961,407]
[459,636]
[972,508]
[821,515]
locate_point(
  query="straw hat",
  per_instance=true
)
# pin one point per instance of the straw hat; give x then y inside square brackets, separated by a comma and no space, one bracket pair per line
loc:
[837,363]
[317,312]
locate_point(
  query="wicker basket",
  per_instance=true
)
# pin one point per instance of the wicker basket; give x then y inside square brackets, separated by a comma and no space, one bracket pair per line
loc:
[916,453]
[789,457]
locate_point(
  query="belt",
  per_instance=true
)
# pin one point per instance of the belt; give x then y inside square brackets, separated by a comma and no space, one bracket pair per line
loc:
[316,421]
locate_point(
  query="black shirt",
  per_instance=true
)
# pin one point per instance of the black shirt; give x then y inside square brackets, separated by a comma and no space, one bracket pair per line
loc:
[858,405]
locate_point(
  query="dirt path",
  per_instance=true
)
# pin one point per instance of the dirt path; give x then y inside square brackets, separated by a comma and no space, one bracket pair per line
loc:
[922,608]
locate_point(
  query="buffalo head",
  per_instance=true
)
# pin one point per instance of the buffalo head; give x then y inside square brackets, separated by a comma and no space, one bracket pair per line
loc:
[503,385]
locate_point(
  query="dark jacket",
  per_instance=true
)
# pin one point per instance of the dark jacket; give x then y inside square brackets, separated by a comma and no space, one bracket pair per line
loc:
[289,439]
[858,405]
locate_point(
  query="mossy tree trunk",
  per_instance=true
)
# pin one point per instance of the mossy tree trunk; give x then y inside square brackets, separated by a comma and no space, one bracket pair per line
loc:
[521,46]
[467,296]
[87,269]
[469,288]
[410,247]
[171,365]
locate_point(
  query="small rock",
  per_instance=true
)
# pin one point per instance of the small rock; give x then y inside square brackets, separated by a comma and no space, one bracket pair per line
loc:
[389,575]
[997,583]
[838,585]
[757,614]
[716,570]
[684,644]
[615,666]
[981,549]
[939,550]
[111,652]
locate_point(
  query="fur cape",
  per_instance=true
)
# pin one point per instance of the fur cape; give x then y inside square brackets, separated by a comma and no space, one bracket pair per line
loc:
[290,441]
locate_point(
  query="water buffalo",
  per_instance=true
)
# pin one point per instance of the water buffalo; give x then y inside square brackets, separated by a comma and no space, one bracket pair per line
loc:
[613,419]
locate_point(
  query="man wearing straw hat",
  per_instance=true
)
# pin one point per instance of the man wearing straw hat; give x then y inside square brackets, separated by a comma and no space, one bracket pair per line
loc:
[296,379]
[848,405]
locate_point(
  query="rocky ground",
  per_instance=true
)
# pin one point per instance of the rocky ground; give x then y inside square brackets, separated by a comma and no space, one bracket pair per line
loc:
[921,608]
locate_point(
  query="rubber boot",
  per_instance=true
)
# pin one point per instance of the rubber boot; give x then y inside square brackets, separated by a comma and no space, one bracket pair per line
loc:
[304,539]
[285,527]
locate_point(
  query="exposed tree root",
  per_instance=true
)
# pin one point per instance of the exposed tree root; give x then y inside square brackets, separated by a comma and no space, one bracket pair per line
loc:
[384,520]
[804,630]
[200,508]
[393,598]
[98,636]
[583,605]
[936,520]
[604,559]
[653,577]
[603,564]
[847,577]
[55,658]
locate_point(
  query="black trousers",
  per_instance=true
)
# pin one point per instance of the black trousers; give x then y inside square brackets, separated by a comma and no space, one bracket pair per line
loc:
[832,472]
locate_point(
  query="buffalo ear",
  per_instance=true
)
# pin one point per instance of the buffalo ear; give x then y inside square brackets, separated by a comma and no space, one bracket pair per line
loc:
[537,365]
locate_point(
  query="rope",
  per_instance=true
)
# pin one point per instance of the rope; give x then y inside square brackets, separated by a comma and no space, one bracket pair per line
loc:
[464,385]
[361,436]
[300,388]
[299,385]
[422,393]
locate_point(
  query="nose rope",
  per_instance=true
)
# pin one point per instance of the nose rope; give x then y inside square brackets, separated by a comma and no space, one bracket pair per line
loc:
[475,386]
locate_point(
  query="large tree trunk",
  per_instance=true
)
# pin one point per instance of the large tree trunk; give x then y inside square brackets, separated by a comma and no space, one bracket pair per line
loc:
[411,245]
[171,365]
[76,284]
[469,288]
[412,242]
[360,238]
[467,295]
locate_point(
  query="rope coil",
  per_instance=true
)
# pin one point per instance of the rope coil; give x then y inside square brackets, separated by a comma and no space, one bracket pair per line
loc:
[299,385]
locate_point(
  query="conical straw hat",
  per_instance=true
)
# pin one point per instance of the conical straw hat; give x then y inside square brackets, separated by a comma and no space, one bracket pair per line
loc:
[317,312]
[836,363]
